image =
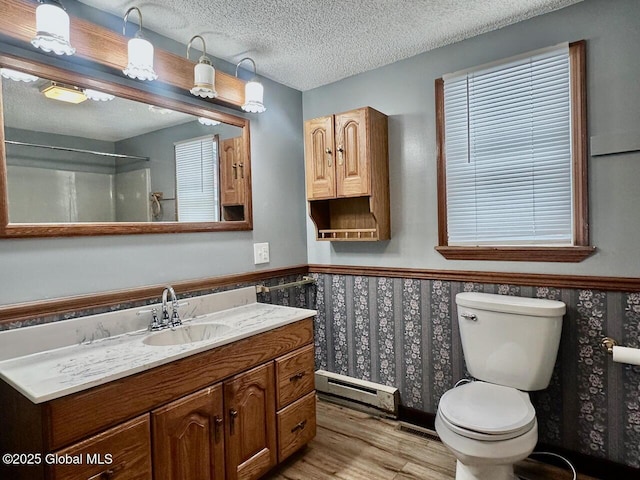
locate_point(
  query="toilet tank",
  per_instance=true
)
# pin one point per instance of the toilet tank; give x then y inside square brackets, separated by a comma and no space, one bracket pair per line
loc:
[510,341]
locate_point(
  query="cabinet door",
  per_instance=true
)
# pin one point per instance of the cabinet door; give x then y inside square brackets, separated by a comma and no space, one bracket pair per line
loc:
[319,158]
[231,172]
[352,156]
[250,433]
[188,437]
[120,453]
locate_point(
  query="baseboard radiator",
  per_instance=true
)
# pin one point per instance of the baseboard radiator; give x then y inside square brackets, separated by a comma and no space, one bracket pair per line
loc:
[360,394]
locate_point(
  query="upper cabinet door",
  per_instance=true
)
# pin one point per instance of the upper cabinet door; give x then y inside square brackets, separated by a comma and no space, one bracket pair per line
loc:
[188,437]
[320,158]
[231,172]
[353,165]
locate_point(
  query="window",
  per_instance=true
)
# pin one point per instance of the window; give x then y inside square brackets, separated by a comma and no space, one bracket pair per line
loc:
[512,159]
[197,180]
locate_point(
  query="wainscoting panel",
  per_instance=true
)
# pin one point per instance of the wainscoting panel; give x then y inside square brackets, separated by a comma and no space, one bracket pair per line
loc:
[403,332]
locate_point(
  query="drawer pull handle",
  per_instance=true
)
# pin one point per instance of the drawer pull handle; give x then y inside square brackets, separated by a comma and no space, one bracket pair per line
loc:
[233,413]
[299,426]
[296,377]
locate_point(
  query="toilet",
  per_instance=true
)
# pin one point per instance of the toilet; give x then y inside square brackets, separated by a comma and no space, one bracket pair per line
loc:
[510,346]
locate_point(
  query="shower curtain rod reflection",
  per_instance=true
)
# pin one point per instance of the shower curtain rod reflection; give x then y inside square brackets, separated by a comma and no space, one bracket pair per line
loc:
[77,150]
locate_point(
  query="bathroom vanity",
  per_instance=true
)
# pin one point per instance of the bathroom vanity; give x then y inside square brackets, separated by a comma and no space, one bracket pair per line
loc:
[228,395]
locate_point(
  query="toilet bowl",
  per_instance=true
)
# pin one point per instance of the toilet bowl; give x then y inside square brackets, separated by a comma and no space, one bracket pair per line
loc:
[488,428]
[510,346]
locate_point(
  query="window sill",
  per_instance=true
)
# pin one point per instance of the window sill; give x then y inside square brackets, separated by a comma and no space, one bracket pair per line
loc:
[518,254]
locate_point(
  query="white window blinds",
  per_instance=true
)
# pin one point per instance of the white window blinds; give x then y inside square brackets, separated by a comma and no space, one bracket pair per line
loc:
[197,180]
[508,153]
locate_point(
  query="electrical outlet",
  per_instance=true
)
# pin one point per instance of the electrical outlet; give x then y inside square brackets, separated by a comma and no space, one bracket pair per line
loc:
[260,253]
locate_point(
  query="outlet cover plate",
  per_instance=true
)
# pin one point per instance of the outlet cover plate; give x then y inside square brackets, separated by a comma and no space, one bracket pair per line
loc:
[261,253]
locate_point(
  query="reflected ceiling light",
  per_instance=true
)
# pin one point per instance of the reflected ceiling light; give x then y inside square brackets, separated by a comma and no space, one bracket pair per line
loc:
[63,93]
[208,122]
[98,96]
[204,75]
[253,91]
[140,60]
[17,76]
[52,28]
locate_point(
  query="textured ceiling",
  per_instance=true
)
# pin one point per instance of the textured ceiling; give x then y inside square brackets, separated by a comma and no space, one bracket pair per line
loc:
[308,43]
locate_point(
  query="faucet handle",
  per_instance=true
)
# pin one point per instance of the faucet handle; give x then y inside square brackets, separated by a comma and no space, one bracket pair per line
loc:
[155,322]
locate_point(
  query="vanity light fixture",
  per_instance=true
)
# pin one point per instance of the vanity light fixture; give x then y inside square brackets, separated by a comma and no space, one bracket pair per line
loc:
[204,75]
[208,122]
[17,76]
[63,93]
[98,96]
[253,91]
[52,28]
[140,58]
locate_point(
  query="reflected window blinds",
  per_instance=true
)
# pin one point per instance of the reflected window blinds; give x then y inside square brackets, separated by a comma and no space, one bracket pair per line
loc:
[197,194]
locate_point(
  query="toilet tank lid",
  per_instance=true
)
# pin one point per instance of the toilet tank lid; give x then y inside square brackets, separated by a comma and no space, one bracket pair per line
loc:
[538,307]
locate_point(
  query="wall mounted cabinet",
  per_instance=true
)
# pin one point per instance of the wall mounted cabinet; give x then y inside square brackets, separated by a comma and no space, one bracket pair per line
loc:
[347,175]
[232,179]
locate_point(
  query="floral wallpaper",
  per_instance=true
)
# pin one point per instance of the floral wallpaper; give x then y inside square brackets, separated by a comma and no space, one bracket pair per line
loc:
[404,333]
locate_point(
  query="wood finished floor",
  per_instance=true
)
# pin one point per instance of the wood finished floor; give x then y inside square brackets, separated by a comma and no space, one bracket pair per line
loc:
[351,445]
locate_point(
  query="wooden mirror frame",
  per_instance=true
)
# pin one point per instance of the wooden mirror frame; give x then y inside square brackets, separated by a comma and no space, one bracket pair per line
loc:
[116,228]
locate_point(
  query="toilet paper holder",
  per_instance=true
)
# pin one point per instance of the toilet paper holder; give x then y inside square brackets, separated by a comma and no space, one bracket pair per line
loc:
[608,343]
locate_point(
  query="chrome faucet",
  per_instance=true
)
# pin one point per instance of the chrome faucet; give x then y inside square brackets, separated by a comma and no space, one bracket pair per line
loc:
[174,319]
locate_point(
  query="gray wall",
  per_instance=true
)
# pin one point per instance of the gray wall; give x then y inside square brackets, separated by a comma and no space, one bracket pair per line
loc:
[34,269]
[405,92]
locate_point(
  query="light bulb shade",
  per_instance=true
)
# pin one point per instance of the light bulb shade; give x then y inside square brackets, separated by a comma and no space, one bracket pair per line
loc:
[52,30]
[208,122]
[140,64]
[253,94]
[17,76]
[204,84]
[97,96]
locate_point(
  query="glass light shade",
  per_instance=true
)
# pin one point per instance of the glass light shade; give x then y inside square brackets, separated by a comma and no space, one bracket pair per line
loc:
[208,122]
[98,96]
[204,80]
[140,64]
[253,94]
[52,30]
[17,76]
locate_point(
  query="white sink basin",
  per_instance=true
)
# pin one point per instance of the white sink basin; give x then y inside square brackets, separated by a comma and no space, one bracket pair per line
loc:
[187,334]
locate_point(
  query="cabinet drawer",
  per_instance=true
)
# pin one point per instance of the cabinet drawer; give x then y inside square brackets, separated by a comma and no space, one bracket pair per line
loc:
[295,375]
[296,425]
[120,453]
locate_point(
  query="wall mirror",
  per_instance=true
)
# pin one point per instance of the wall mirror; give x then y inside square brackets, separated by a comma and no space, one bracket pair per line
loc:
[82,156]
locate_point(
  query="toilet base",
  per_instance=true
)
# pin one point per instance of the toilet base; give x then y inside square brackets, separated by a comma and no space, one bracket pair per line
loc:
[484,472]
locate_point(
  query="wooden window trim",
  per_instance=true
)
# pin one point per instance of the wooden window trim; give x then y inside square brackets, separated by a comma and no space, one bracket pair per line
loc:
[575,253]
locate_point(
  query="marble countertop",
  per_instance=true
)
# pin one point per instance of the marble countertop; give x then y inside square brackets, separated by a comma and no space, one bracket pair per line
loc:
[52,373]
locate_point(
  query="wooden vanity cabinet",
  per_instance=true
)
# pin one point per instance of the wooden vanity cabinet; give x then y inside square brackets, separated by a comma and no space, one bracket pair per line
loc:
[188,437]
[211,416]
[347,175]
[296,397]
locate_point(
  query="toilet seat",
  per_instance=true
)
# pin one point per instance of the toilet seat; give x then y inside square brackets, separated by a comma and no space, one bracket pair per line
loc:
[487,412]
